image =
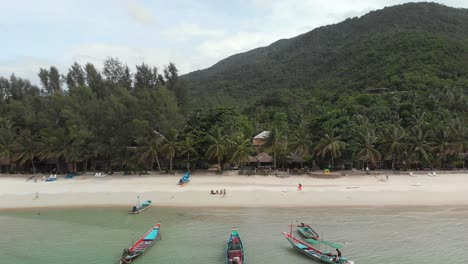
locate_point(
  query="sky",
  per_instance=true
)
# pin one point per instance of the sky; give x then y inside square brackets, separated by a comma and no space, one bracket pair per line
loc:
[193,34]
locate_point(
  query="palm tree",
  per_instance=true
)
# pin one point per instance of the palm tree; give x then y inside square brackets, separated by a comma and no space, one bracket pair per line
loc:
[418,120]
[148,150]
[7,145]
[419,147]
[276,144]
[66,150]
[170,146]
[217,145]
[300,143]
[444,145]
[187,147]
[26,148]
[366,146]
[393,142]
[242,150]
[48,146]
[330,144]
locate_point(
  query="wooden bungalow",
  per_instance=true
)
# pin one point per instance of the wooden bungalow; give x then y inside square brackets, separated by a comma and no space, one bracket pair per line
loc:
[261,160]
[261,139]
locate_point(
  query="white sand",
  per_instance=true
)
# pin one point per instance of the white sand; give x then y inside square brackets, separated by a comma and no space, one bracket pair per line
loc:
[242,191]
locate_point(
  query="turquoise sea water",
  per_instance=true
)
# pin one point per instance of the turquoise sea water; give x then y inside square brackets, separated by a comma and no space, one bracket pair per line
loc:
[192,235]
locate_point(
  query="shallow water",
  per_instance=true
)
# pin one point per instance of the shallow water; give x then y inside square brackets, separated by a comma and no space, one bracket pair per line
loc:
[193,235]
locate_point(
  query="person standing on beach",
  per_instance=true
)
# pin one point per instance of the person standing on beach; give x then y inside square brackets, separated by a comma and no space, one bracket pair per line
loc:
[299,187]
[37,196]
[224,193]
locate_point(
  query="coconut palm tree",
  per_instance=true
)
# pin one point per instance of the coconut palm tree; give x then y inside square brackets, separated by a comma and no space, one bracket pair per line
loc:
[7,145]
[170,146]
[444,144]
[393,142]
[26,148]
[366,141]
[187,147]
[48,146]
[66,149]
[276,144]
[242,150]
[300,143]
[217,145]
[148,150]
[419,146]
[330,144]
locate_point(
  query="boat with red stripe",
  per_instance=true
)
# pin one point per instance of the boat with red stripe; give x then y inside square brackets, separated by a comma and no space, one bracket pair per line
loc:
[145,242]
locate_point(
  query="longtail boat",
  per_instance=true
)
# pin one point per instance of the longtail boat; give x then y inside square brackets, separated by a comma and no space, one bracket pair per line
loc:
[235,249]
[307,231]
[185,179]
[141,245]
[323,257]
[140,208]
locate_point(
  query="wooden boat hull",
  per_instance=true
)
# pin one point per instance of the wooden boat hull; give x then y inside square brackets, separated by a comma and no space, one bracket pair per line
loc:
[235,249]
[137,249]
[142,207]
[185,179]
[307,232]
[315,254]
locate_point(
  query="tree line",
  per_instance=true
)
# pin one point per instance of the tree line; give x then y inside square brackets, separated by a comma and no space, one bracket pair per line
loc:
[120,119]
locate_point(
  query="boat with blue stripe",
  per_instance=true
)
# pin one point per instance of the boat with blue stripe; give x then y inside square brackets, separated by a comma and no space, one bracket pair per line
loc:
[141,245]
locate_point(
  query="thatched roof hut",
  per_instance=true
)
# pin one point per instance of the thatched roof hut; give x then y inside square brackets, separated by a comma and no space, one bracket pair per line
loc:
[261,138]
[294,158]
[261,158]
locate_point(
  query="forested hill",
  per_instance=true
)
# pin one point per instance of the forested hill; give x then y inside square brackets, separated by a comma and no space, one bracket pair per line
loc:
[404,47]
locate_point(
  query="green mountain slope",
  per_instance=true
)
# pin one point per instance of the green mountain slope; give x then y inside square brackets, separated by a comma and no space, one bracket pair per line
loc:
[409,46]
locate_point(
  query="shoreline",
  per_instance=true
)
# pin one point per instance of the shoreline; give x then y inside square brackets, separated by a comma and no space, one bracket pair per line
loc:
[370,191]
[449,207]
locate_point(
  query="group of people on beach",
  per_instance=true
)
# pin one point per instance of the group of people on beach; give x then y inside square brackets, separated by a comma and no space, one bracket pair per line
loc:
[221,192]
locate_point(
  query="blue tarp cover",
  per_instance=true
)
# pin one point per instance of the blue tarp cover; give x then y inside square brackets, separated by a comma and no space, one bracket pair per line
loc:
[152,235]
[186,177]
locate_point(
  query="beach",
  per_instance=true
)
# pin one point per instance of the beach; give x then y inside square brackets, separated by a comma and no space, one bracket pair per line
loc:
[241,191]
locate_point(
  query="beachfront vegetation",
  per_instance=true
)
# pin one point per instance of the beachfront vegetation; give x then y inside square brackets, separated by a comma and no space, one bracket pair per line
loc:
[341,96]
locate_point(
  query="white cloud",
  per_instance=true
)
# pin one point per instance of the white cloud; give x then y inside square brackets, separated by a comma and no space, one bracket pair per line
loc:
[139,13]
[203,34]
[24,67]
[187,31]
[240,42]
[96,53]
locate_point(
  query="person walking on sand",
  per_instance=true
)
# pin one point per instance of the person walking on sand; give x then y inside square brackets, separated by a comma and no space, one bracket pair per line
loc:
[37,196]
[224,193]
[299,187]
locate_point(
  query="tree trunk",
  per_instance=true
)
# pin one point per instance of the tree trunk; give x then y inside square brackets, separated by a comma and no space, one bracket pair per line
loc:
[274,164]
[159,165]
[170,165]
[34,168]
[57,164]
[393,164]
[332,163]
[188,164]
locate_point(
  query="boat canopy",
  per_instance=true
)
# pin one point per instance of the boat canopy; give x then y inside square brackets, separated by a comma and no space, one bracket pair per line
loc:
[152,235]
[148,202]
[322,242]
